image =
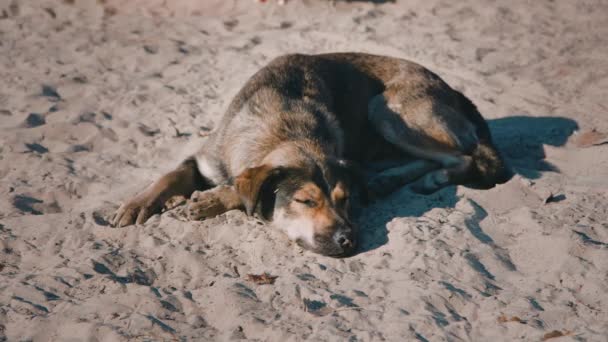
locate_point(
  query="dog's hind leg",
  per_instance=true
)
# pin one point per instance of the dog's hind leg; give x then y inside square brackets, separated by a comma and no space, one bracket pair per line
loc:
[444,129]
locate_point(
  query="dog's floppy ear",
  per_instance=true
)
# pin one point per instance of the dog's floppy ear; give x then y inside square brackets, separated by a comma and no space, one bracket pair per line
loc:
[253,183]
[358,177]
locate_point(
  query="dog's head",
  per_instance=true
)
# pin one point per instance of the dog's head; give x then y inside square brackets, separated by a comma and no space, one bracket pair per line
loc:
[311,204]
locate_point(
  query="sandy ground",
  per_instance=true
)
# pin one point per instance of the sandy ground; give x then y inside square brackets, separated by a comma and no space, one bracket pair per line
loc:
[97,99]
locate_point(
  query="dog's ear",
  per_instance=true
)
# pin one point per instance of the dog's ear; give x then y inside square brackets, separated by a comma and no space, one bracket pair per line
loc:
[254,183]
[358,177]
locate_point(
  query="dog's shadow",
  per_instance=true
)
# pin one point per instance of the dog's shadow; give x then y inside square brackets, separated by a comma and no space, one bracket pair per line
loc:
[519,138]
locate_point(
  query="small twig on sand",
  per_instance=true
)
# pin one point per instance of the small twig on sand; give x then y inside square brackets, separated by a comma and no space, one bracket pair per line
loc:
[358,308]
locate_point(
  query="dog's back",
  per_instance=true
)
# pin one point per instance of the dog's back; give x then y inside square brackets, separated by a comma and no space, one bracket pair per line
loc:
[334,98]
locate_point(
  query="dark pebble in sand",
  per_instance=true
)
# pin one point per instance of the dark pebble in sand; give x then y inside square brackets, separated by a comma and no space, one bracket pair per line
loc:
[35,147]
[151,49]
[34,120]
[50,91]
[26,204]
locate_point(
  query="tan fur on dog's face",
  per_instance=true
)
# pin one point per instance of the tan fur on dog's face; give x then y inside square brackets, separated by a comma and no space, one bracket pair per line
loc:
[316,220]
[310,207]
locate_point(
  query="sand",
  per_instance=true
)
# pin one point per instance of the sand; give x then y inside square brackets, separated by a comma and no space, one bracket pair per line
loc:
[100,98]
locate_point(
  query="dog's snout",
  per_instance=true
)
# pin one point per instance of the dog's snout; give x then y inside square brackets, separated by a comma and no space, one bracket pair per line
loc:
[344,240]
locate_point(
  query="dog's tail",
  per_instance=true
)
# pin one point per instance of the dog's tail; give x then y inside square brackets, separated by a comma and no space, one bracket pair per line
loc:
[489,166]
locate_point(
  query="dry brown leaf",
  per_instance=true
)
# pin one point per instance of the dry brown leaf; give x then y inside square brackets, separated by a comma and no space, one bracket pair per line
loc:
[556,333]
[505,319]
[262,279]
[591,138]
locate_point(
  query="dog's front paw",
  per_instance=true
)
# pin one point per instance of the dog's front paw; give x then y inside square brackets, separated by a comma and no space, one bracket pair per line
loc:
[135,211]
[204,204]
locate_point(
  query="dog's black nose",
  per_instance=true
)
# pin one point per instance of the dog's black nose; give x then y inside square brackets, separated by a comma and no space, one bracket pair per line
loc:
[344,241]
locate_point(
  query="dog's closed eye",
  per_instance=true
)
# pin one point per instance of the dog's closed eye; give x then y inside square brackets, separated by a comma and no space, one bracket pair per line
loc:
[308,202]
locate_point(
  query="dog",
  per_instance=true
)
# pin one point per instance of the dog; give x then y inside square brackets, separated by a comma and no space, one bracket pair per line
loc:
[291,144]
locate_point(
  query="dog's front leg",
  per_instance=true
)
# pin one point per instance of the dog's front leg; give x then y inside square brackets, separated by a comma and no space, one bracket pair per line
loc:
[182,181]
[213,202]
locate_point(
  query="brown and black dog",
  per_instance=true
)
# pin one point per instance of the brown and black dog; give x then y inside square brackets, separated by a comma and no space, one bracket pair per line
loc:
[288,147]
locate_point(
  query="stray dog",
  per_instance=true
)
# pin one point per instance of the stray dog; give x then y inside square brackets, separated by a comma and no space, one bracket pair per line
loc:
[289,146]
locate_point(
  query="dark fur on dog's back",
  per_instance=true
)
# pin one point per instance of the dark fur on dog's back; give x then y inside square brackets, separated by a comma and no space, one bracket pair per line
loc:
[338,87]
[321,90]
